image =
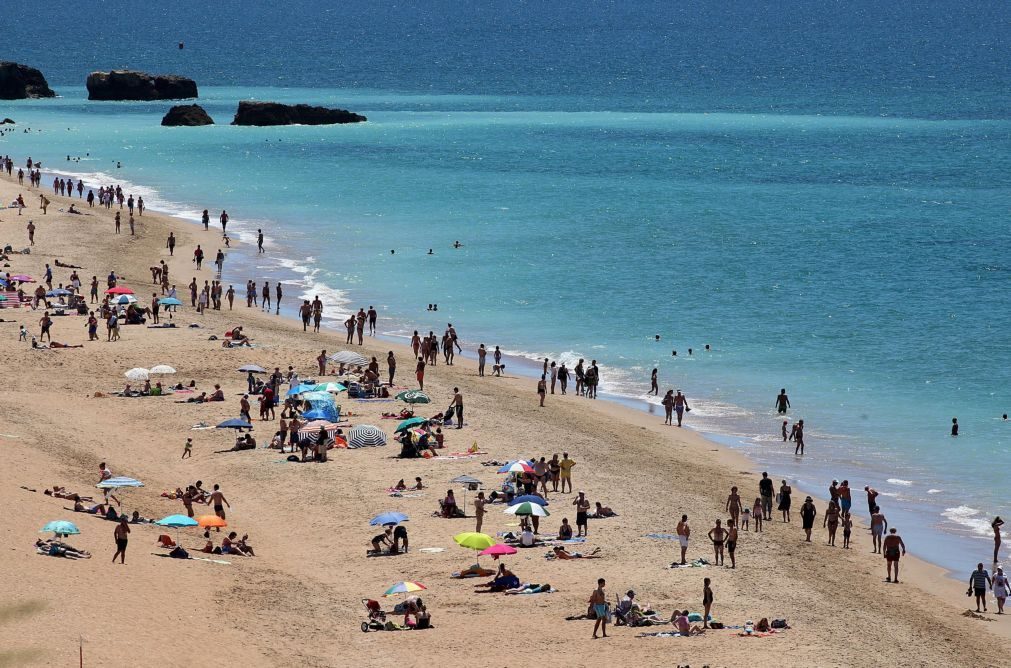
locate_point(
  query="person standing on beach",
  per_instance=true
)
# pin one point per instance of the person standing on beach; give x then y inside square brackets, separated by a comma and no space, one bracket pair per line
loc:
[205,218]
[224,220]
[680,405]
[482,353]
[765,491]
[542,390]
[259,241]
[732,542]
[244,408]
[121,535]
[996,525]
[479,511]
[707,602]
[554,376]
[305,312]
[872,496]
[565,471]
[265,302]
[831,521]
[598,599]
[845,497]
[580,377]
[878,526]
[140,206]
[198,256]
[218,498]
[219,261]
[782,402]
[734,505]
[46,323]
[654,387]
[458,404]
[230,295]
[683,532]
[171,244]
[892,546]
[321,362]
[1000,587]
[563,378]
[718,535]
[391,366]
[31,231]
[277,298]
[582,508]
[117,222]
[784,500]
[373,318]
[592,379]
[419,373]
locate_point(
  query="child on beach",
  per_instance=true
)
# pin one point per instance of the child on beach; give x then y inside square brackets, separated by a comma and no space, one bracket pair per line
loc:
[756,513]
[745,516]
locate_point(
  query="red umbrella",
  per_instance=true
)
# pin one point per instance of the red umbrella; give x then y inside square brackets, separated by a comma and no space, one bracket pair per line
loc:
[119,290]
[497,550]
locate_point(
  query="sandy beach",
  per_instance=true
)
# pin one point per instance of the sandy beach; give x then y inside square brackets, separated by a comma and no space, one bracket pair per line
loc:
[298,602]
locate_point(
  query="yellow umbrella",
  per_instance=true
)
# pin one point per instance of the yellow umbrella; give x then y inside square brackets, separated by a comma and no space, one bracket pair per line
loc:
[473,540]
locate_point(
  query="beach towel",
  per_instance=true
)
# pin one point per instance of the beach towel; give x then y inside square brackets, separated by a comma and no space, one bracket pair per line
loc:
[662,634]
[756,634]
[402,495]
[482,573]
[698,563]
[432,550]
[518,593]
[662,536]
[213,561]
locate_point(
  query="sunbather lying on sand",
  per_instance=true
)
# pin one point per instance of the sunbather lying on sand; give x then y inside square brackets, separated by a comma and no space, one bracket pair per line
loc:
[530,588]
[62,493]
[562,553]
[55,345]
[603,511]
[57,549]
[504,579]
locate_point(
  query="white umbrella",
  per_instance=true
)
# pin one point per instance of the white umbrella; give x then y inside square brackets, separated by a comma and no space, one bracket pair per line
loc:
[138,374]
[349,357]
[161,368]
[125,300]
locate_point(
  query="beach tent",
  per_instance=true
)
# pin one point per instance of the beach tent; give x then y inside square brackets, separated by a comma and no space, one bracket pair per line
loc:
[323,410]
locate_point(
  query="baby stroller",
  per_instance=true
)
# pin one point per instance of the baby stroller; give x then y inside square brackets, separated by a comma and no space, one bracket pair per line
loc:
[377,618]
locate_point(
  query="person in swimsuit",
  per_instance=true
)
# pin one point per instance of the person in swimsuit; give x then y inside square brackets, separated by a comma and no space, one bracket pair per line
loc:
[872,496]
[598,599]
[668,407]
[707,602]
[554,470]
[718,535]
[732,541]
[683,532]
[582,508]
[807,514]
[878,527]
[680,405]
[384,538]
[756,514]
[996,524]
[831,521]
[121,534]
[734,505]
[784,500]
[217,498]
[541,390]
[782,402]
[847,530]
[892,546]
[654,388]
[979,580]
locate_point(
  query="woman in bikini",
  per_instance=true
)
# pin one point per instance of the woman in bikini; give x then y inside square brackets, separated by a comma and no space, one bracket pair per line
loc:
[996,524]
[831,521]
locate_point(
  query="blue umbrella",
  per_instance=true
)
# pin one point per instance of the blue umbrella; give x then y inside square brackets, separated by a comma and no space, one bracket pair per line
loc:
[176,521]
[169,301]
[383,519]
[411,422]
[59,292]
[299,389]
[61,528]
[528,498]
[235,423]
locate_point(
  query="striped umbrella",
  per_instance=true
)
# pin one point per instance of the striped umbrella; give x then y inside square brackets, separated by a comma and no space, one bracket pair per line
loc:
[404,588]
[119,482]
[310,431]
[349,357]
[366,436]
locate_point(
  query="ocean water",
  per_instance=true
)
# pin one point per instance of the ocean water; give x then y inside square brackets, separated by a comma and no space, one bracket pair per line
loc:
[821,194]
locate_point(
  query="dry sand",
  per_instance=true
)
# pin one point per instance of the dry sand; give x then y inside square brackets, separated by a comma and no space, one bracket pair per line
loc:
[298,602]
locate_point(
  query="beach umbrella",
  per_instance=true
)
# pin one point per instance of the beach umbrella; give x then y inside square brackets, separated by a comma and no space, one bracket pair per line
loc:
[125,300]
[3,298]
[310,432]
[138,374]
[177,522]
[119,482]
[335,388]
[527,509]
[119,290]
[517,467]
[414,397]
[528,498]
[169,301]
[366,436]
[235,423]
[349,357]
[473,540]
[61,528]
[411,422]
[161,369]
[390,518]
[466,481]
[309,394]
[59,292]
[211,521]
[253,368]
[497,550]
[22,278]
[299,389]
[404,588]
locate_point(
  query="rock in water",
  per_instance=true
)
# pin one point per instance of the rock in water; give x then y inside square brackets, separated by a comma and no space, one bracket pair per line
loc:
[8,121]
[274,113]
[131,85]
[19,82]
[187,114]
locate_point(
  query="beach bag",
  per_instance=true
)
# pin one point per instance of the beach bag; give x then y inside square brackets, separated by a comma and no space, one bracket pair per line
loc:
[716,625]
[779,623]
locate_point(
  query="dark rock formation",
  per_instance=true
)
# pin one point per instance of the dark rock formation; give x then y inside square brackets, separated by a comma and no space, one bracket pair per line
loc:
[18,82]
[187,114]
[130,85]
[8,121]
[273,113]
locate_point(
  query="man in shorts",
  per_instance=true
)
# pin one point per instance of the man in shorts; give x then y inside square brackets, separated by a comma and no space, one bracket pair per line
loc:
[565,471]
[582,508]
[766,489]
[979,580]
[893,545]
[878,526]
[121,535]
[683,532]
[598,599]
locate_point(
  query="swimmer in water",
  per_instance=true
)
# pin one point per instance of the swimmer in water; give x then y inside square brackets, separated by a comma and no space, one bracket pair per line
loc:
[430,252]
[954,426]
[673,353]
[457,244]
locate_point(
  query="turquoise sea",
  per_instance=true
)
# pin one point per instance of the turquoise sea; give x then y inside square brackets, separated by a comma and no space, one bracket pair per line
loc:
[820,193]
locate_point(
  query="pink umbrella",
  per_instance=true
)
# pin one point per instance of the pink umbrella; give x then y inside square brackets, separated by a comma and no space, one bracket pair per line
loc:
[22,278]
[497,550]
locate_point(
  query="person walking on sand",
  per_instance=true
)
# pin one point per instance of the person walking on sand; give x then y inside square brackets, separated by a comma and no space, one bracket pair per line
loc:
[170,243]
[831,521]
[654,387]
[598,599]
[188,449]
[683,532]
[680,405]
[766,489]
[707,602]
[807,514]
[46,323]
[892,546]
[31,232]
[784,500]
[265,302]
[878,527]
[224,220]
[563,378]
[847,530]
[782,402]
[278,293]
[979,580]
[121,535]
[1000,587]
[542,390]
[668,407]
[217,498]
[479,511]
[419,373]
[734,505]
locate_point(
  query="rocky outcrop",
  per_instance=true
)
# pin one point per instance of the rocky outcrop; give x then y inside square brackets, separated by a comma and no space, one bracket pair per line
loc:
[8,121]
[187,114]
[18,82]
[131,85]
[273,113]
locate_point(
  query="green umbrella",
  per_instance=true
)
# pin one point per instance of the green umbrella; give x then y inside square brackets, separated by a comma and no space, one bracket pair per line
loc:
[528,508]
[414,397]
[411,422]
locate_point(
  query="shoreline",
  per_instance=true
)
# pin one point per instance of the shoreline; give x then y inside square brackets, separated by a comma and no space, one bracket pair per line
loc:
[674,471]
[243,246]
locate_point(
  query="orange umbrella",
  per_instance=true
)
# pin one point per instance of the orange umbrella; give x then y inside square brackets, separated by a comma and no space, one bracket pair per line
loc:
[210,521]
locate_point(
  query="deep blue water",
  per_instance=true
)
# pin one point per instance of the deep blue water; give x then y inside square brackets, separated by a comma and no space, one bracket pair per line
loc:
[820,192]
